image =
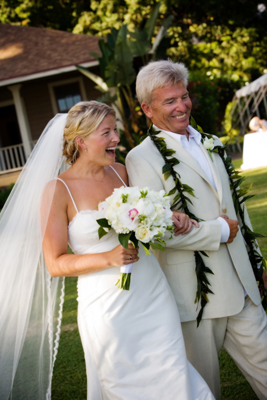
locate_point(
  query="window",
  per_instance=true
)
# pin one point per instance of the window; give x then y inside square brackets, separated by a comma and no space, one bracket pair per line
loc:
[67,96]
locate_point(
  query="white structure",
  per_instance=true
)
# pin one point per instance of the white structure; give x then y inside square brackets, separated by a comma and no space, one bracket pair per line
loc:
[255,150]
[249,99]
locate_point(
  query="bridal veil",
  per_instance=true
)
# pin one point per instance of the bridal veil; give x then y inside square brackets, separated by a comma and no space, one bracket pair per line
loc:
[30,299]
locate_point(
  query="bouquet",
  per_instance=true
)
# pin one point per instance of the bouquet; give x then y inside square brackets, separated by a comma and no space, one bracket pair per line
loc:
[137,216]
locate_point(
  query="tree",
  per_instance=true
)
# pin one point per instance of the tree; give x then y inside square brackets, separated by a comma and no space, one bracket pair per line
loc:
[62,15]
[226,41]
[122,50]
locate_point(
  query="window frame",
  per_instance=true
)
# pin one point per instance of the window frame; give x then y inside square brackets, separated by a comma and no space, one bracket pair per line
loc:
[65,82]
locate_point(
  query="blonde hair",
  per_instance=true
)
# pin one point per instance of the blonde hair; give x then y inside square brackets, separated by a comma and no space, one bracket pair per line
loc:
[158,74]
[83,119]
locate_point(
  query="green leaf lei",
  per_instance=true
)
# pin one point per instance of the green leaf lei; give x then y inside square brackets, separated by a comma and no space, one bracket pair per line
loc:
[181,201]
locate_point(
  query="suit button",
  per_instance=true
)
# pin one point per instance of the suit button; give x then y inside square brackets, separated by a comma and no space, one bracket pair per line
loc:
[224,210]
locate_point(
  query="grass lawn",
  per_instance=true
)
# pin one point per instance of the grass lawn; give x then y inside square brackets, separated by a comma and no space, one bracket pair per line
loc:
[69,379]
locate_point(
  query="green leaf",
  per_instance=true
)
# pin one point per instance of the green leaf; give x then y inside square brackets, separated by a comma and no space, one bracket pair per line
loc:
[107,98]
[167,175]
[97,79]
[112,37]
[101,232]
[119,74]
[124,239]
[134,240]
[144,245]
[151,22]
[187,198]
[177,197]
[138,43]
[106,50]
[169,152]
[188,189]
[122,51]
[238,182]
[103,222]
[95,55]
[171,192]
[173,161]
[162,32]
[246,198]
[166,168]
[156,246]
[160,140]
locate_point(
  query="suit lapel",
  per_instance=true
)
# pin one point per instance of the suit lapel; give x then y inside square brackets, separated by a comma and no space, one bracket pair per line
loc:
[214,170]
[183,156]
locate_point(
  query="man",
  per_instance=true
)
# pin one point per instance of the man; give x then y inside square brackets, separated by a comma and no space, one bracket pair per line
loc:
[233,318]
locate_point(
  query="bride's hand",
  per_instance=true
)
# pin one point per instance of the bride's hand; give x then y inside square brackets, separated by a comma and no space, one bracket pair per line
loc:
[121,256]
[183,224]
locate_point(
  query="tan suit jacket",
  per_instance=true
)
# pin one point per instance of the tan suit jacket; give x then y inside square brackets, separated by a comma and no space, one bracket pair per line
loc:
[229,262]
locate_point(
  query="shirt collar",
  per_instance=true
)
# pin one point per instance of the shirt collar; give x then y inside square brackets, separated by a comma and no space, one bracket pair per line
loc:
[193,134]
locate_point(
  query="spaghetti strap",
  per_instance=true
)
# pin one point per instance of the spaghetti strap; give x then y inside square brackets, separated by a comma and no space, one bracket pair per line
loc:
[69,193]
[118,175]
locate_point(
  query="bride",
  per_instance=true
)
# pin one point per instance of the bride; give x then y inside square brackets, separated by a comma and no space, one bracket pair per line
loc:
[132,340]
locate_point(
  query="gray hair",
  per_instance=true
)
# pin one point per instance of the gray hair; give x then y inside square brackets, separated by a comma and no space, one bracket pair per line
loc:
[158,74]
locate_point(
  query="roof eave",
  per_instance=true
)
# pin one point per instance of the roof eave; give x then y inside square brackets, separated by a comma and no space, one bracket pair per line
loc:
[44,74]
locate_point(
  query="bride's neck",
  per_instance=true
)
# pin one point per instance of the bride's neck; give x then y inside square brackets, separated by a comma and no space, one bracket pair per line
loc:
[88,171]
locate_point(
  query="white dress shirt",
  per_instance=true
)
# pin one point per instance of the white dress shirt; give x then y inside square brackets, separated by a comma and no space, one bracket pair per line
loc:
[192,146]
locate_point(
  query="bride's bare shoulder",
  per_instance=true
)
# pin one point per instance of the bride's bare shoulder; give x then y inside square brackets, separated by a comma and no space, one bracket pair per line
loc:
[121,169]
[55,191]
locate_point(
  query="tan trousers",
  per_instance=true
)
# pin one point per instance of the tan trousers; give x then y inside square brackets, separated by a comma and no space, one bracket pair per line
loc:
[244,337]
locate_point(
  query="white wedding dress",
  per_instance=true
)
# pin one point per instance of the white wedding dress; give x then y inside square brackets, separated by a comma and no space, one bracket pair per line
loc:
[132,340]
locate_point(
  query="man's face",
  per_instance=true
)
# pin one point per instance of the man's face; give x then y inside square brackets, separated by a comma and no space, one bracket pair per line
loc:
[170,108]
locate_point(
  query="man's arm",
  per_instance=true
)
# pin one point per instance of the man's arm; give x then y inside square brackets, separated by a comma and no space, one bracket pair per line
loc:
[206,238]
[142,174]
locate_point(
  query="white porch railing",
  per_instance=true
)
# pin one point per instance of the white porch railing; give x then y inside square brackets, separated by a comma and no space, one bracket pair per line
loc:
[13,157]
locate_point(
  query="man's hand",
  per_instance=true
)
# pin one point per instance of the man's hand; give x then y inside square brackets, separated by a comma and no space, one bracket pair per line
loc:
[233,225]
[183,224]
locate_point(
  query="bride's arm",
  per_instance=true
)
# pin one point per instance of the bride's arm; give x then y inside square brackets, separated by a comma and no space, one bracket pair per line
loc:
[55,245]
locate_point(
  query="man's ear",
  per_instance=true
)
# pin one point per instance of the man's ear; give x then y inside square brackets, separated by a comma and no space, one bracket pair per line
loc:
[147,110]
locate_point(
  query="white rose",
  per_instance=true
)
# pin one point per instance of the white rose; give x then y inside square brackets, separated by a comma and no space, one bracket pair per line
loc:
[208,143]
[142,233]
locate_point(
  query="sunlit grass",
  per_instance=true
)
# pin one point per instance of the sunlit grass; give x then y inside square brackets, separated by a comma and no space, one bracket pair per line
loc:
[69,380]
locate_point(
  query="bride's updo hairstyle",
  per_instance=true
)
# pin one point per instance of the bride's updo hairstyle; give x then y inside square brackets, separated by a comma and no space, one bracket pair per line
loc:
[83,119]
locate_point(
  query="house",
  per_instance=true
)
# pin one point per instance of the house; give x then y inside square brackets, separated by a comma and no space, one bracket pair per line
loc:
[38,79]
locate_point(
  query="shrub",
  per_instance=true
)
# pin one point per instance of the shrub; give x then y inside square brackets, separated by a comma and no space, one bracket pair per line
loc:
[4,193]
